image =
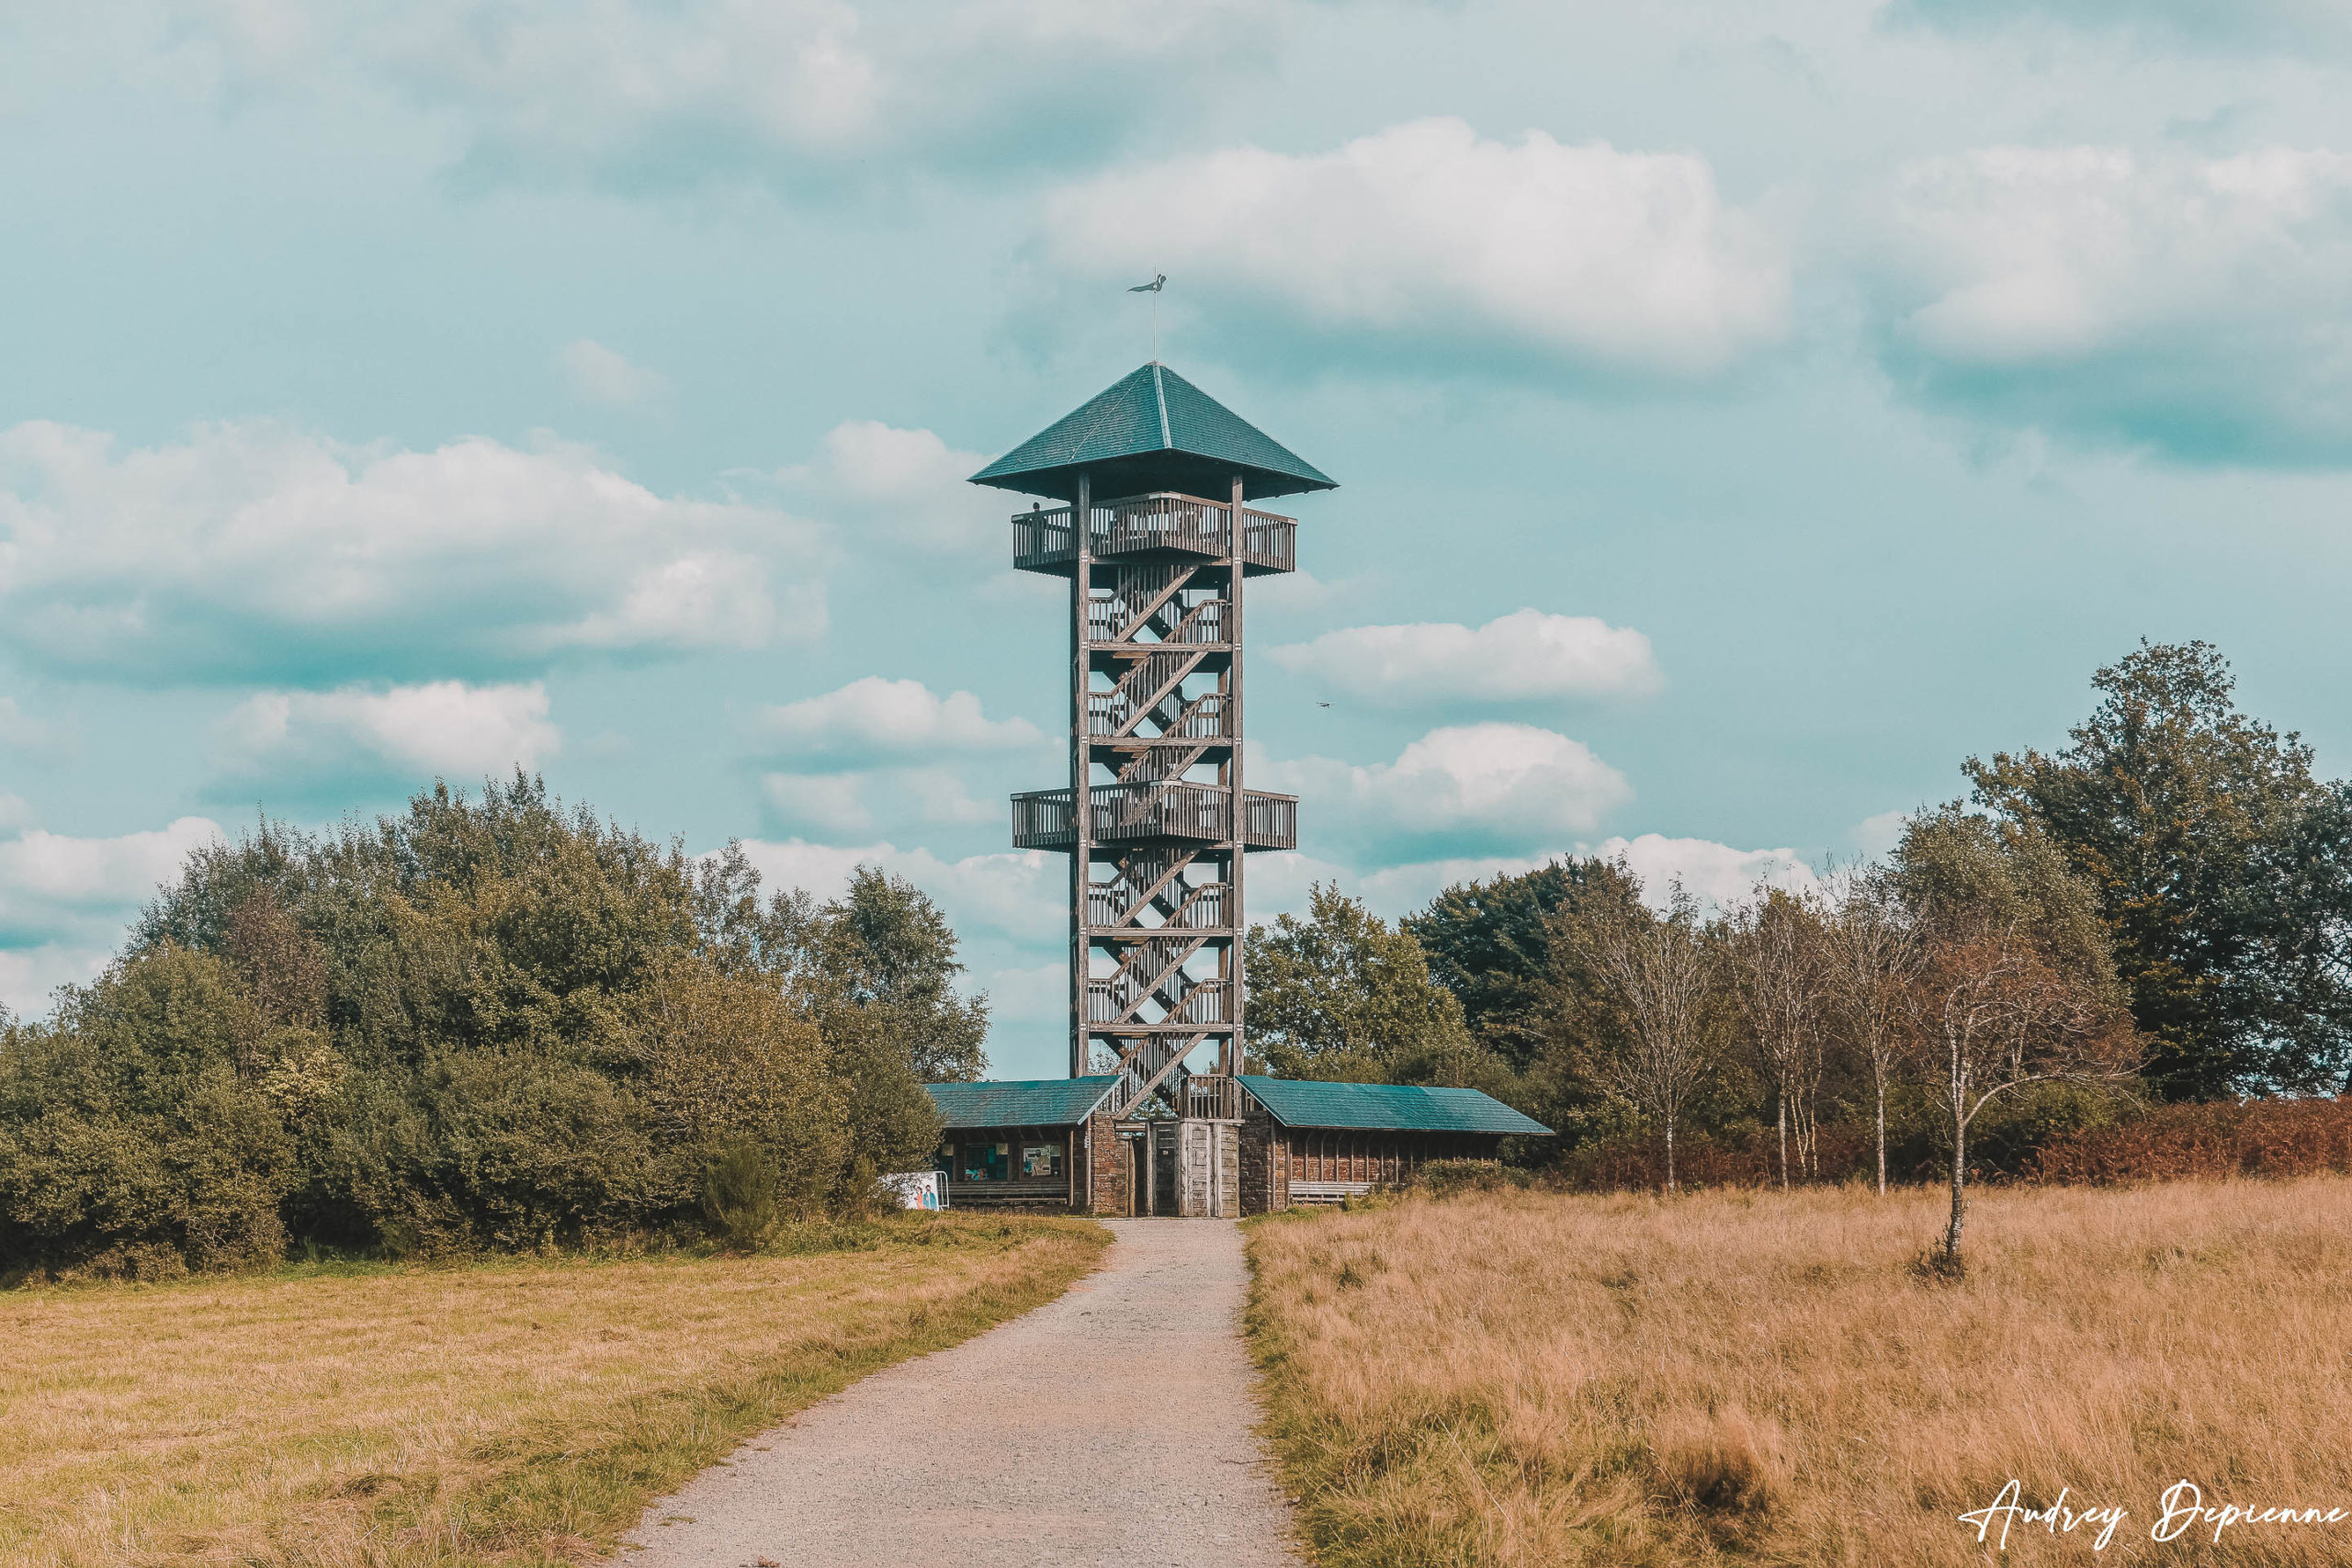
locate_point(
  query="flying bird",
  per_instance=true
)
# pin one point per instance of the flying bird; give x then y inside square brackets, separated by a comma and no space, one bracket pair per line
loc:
[1322,705]
[1154,287]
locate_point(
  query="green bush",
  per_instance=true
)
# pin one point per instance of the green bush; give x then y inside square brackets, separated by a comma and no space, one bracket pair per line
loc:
[486,1023]
[738,1194]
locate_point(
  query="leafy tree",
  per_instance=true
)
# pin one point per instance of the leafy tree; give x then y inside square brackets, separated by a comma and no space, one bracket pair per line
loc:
[2018,984]
[1872,956]
[1775,964]
[2223,869]
[1657,1043]
[488,1021]
[1341,995]
[1490,944]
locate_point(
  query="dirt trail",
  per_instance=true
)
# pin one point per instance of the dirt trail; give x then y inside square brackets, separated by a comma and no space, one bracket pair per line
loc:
[1110,1427]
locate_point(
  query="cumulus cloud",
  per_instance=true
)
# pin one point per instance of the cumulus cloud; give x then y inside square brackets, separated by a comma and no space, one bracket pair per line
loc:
[876,718]
[1433,239]
[852,802]
[1477,788]
[1521,656]
[2195,305]
[649,93]
[1877,835]
[64,901]
[446,728]
[1716,874]
[1018,895]
[908,489]
[253,550]
[602,375]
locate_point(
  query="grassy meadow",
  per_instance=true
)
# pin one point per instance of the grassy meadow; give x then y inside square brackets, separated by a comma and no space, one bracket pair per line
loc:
[521,1412]
[1525,1377]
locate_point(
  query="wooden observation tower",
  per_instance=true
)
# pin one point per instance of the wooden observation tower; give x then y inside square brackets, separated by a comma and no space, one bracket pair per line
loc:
[1152,526]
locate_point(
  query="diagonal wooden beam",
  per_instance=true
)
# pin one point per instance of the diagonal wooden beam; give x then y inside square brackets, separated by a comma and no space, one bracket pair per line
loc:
[1165,1068]
[1179,579]
[1184,665]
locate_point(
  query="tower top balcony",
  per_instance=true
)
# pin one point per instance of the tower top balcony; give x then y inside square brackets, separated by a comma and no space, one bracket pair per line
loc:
[1153,431]
[1165,525]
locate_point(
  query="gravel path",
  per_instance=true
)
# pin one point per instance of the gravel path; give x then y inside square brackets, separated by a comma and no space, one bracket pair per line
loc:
[1110,1427]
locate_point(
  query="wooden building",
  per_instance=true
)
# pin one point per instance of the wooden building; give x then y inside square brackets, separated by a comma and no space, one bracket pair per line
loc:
[1029,1145]
[1055,1143]
[1307,1141]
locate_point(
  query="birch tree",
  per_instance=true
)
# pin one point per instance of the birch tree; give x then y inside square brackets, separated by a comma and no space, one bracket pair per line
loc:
[2018,986]
[1872,958]
[1775,952]
[1654,971]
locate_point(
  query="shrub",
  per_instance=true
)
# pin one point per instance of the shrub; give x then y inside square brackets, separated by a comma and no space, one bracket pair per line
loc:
[485,1023]
[738,1194]
[2256,1137]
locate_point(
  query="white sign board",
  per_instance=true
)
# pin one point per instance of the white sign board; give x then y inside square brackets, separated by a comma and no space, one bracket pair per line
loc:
[917,1189]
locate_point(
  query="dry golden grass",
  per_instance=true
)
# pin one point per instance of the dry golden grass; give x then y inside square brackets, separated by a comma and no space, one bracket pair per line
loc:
[1538,1378]
[516,1412]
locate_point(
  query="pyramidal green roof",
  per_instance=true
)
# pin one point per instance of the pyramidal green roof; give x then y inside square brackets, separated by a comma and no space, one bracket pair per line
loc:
[1020,1102]
[1388,1107]
[1152,430]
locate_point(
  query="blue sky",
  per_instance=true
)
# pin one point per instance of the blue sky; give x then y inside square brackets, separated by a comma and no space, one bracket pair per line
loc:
[1743,413]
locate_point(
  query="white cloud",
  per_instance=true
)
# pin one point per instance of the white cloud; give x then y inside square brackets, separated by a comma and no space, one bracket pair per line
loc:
[254,549]
[1521,656]
[64,901]
[1877,835]
[909,490]
[874,717]
[1021,895]
[15,811]
[1716,874]
[29,974]
[642,93]
[1481,783]
[602,375]
[1426,233]
[2194,304]
[851,802]
[445,728]
[97,874]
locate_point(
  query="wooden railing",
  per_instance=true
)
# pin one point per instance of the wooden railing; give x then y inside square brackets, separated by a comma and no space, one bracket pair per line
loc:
[1198,909]
[1128,812]
[1211,1097]
[1112,715]
[1116,999]
[1106,621]
[1143,525]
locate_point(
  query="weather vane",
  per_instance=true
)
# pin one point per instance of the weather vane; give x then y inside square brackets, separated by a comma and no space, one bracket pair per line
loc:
[1158,282]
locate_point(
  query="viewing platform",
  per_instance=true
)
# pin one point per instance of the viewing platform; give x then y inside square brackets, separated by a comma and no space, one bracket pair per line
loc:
[1163,526]
[1139,813]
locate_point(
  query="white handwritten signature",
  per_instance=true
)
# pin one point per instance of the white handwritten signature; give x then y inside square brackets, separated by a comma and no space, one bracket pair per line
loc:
[2181,1509]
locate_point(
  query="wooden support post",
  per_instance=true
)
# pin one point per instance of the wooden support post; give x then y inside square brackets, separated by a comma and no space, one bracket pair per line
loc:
[1081,860]
[1230,1060]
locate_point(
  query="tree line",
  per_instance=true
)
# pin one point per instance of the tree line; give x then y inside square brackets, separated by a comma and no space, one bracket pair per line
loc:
[2159,911]
[485,1023]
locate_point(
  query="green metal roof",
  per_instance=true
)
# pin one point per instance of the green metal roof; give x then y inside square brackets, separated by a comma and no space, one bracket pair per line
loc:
[1153,431]
[1027,1102]
[1306,1102]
